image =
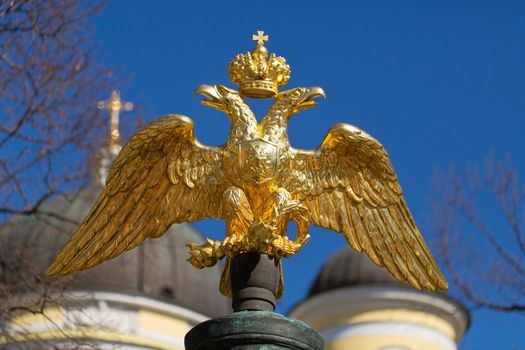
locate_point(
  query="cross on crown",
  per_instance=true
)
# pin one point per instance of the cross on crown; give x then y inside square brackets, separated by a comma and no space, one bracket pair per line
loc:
[260,37]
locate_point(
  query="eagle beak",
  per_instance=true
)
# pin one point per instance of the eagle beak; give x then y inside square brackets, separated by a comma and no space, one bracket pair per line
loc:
[213,97]
[309,96]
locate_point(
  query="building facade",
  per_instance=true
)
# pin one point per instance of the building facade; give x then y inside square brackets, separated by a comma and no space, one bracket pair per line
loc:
[356,305]
[150,297]
[147,298]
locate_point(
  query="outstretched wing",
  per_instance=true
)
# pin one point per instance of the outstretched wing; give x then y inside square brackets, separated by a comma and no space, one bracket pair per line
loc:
[162,176]
[348,184]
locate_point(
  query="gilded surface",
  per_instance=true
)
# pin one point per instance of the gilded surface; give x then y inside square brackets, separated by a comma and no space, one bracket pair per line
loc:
[257,183]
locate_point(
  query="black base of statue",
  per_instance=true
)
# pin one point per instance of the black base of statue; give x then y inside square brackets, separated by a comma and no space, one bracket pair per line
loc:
[253,325]
[255,281]
[250,330]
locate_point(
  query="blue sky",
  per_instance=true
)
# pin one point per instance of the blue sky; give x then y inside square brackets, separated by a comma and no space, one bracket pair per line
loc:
[437,82]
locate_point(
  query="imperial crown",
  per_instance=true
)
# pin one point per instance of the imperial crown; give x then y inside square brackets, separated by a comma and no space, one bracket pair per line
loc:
[256,76]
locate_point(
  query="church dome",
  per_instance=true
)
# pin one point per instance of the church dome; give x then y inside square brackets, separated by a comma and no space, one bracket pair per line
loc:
[156,268]
[355,304]
[347,268]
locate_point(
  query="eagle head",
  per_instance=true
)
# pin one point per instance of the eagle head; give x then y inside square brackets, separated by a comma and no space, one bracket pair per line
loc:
[219,96]
[297,99]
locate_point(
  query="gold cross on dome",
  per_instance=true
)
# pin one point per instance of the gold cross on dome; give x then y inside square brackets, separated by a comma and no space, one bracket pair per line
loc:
[114,106]
[260,37]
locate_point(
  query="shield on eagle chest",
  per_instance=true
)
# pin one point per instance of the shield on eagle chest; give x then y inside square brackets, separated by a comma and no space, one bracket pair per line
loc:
[258,160]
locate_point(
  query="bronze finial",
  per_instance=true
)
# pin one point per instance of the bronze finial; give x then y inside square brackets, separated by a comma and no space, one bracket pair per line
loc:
[257,182]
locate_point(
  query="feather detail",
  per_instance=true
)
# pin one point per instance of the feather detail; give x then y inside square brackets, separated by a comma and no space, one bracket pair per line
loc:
[144,194]
[354,190]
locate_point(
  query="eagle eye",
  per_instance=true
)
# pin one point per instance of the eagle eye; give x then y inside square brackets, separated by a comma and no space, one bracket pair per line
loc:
[295,93]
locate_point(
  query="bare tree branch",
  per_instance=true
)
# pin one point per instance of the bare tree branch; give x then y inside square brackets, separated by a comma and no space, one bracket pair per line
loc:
[50,80]
[479,217]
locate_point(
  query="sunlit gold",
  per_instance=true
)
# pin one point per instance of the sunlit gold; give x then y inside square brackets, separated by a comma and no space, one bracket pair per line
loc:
[257,183]
[257,75]
[260,37]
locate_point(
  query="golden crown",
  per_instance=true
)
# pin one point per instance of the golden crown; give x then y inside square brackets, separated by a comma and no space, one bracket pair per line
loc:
[256,76]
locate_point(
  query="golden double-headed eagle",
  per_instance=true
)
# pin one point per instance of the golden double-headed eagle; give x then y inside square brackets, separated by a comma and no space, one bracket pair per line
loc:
[257,182]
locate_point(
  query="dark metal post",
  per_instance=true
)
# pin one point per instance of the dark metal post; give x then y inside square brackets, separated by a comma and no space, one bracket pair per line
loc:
[255,281]
[253,325]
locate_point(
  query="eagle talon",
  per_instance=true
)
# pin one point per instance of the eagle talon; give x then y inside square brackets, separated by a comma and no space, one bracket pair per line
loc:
[204,255]
[232,244]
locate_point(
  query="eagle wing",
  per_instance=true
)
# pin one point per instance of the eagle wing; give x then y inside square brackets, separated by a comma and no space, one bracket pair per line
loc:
[162,176]
[349,185]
